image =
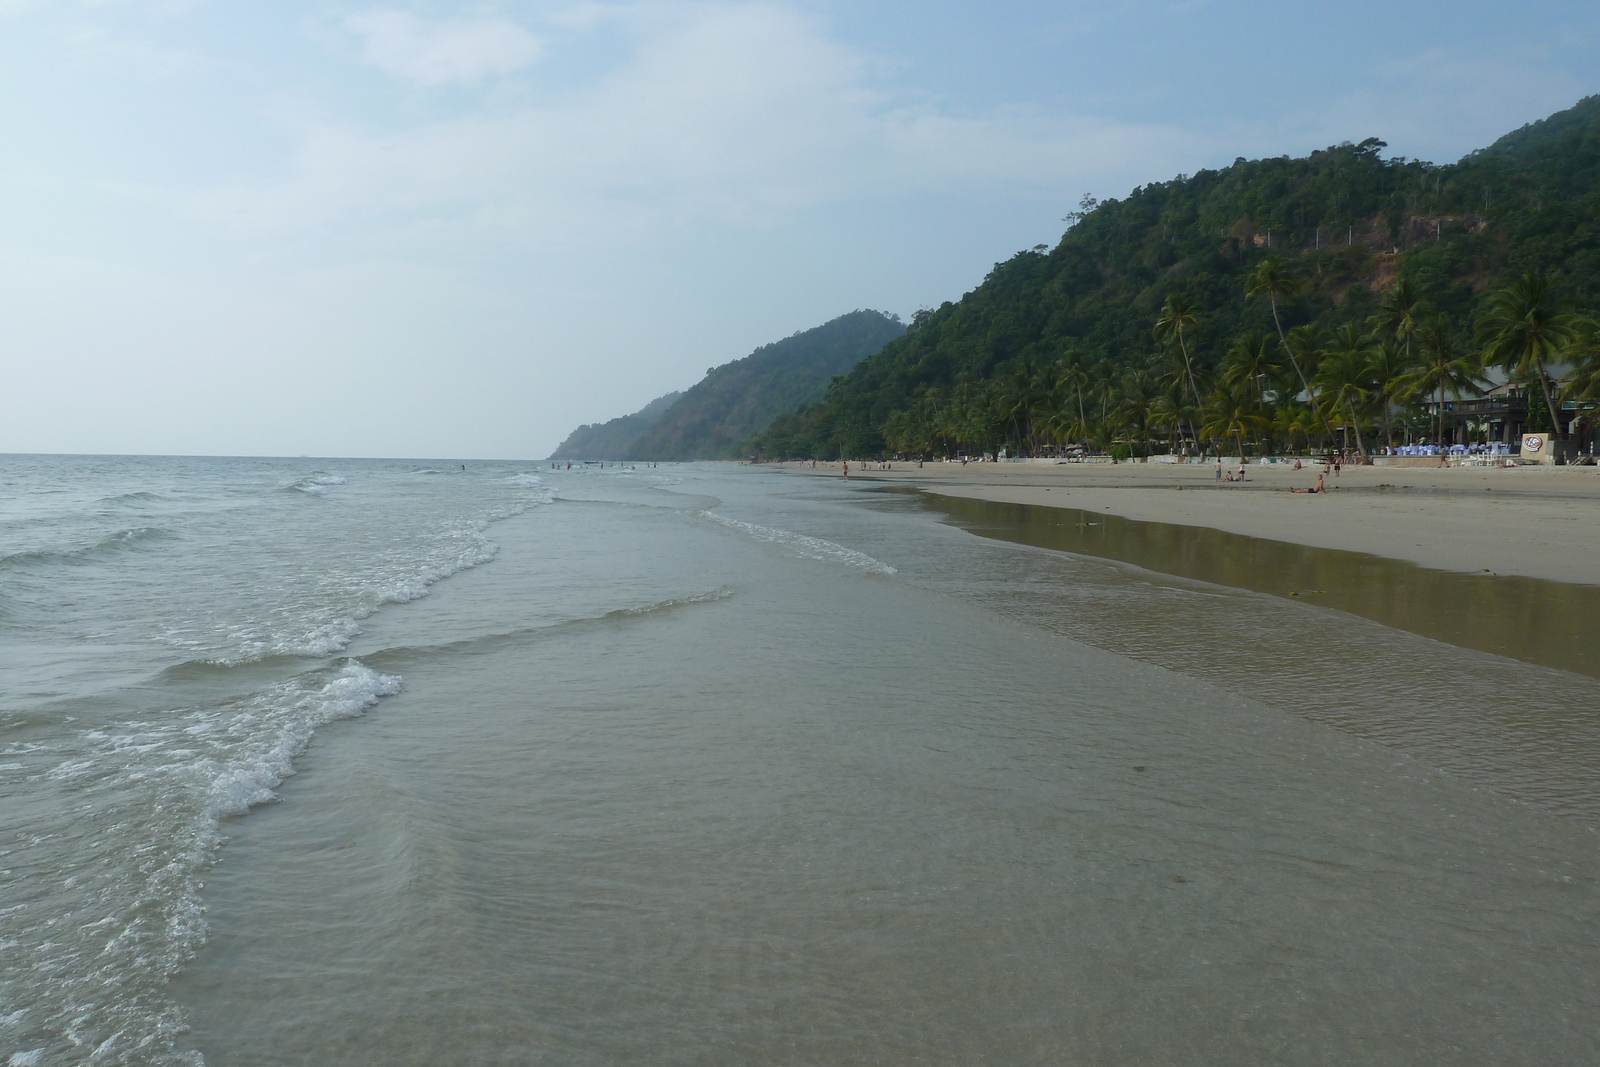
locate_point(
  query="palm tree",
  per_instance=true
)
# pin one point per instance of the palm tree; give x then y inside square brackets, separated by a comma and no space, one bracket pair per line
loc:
[1071,377]
[1275,280]
[1103,380]
[1291,419]
[1529,326]
[1167,412]
[1390,370]
[1177,315]
[1231,411]
[1251,360]
[1583,383]
[1138,395]
[1400,314]
[1345,375]
[1440,369]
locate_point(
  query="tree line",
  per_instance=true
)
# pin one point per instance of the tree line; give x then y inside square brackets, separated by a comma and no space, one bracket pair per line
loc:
[1363,387]
[1275,304]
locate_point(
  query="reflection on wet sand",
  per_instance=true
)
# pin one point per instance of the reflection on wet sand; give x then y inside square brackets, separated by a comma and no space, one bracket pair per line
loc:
[1481,678]
[1536,621]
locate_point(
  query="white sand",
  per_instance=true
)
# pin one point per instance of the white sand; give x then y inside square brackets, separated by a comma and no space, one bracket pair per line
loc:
[1543,522]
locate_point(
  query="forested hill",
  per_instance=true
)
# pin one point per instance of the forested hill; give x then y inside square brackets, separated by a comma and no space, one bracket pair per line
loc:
[1343,224]
[716,418]
[612,440]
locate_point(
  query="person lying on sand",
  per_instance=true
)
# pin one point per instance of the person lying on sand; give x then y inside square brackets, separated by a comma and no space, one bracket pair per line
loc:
[1318,488]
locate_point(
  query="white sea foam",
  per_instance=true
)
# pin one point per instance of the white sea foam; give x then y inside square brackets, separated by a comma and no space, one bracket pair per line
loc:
[124,910]
[803,545]
[316,484]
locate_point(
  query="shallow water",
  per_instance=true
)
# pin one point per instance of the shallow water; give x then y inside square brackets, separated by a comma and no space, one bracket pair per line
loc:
[1553,624]
[714,765]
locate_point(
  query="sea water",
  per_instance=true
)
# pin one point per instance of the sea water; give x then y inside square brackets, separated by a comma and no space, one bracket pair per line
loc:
[362,762]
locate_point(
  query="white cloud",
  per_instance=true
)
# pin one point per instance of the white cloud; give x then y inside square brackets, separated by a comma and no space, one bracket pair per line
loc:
[441,53]
[741,112]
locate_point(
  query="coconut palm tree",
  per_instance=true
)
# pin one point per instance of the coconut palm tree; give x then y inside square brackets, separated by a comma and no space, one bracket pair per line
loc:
[1138,395]
[1440,368]
[1345,376]
[1072,377]
[1231,412]
[1274,280]
[1527,328]
[1390,369]
[1400,314]
[1251,360]
[1584,385]
[1179,314]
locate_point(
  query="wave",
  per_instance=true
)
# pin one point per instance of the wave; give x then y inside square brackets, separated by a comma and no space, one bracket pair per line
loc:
[140,497]
[807,547]
[153,797]
[315,483]
[112,544]
[409,654]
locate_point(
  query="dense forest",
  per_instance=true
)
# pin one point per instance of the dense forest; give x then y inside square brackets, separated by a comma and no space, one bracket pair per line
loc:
[716,417]
[1273,304]
[614,439]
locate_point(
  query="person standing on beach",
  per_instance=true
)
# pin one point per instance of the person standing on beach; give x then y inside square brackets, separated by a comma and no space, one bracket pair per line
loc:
[1219,469]
[844,465]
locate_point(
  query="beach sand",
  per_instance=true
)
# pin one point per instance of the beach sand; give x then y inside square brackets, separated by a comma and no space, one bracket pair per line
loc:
[1541,522]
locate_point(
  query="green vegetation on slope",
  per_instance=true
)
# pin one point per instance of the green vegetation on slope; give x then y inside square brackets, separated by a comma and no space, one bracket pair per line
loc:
[715,418]
[1293,296]
[612,440]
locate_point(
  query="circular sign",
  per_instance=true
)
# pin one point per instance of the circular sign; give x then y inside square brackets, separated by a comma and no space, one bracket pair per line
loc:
[1533,444]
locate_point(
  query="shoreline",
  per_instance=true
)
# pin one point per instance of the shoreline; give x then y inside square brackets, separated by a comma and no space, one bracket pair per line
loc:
[1537,522]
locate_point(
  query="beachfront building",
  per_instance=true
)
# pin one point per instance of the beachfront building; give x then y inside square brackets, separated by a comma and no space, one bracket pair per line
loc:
[1500,415]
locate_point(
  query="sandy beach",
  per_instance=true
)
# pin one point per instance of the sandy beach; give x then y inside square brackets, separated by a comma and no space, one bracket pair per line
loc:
[1541,522]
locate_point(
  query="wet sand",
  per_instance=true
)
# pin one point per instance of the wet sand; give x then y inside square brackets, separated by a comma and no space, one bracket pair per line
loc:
[1538,522]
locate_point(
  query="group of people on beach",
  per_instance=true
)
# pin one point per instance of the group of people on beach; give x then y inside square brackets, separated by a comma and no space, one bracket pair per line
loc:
[1331,465]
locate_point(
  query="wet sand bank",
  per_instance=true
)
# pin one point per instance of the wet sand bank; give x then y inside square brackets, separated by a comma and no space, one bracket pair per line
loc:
[1537,522]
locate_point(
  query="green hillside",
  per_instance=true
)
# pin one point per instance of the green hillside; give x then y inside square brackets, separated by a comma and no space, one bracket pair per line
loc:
[1378,268]
[611,440]
[715,418]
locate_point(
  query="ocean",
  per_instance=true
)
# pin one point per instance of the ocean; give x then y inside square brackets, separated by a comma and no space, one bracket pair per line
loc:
[389,762]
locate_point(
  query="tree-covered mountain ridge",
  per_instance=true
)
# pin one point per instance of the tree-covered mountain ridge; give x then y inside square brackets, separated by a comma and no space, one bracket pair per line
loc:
[614,439]
[1040,354]
[715,418]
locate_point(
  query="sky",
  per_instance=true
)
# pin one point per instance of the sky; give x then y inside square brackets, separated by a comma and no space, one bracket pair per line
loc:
[458,230]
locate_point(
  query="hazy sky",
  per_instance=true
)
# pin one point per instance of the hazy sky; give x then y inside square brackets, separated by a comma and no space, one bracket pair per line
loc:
[458,230]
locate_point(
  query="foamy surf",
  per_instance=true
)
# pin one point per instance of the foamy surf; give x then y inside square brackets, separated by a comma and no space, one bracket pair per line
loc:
[147,799]
[805,546]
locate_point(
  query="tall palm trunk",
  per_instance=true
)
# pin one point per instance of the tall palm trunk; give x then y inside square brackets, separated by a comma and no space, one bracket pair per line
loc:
[1295,363]
[1355,422]
[1550,400]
